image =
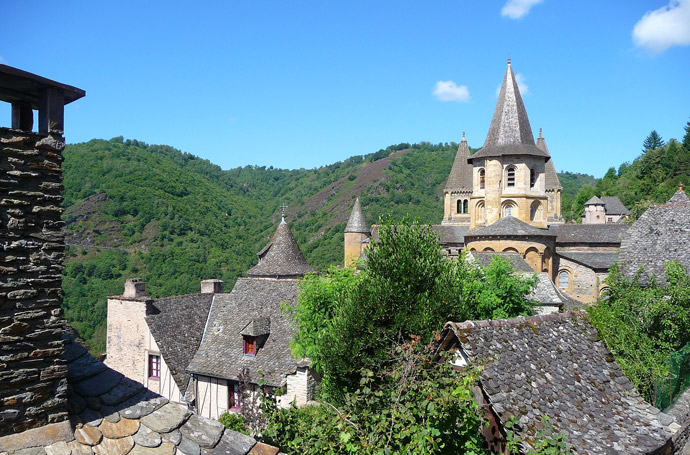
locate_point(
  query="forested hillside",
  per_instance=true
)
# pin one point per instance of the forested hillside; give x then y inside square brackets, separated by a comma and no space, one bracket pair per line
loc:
[174,219]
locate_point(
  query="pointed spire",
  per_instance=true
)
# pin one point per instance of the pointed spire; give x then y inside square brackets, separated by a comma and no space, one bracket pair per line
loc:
[679,197]
[357,223]
[510,132]
[282,257]
[460,177]
[550,170]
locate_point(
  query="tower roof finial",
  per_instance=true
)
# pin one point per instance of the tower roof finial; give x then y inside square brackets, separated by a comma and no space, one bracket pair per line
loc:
[508,60]
[463,136]
[283,209]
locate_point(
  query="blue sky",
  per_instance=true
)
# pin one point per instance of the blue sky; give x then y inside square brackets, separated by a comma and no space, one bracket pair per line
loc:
[303,84]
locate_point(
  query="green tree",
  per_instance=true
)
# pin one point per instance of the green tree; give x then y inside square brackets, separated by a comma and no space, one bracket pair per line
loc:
[348,322]
[652,142]
[686,137]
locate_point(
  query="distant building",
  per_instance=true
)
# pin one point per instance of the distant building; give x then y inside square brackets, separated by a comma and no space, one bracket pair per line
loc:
[604,210]
[194,348]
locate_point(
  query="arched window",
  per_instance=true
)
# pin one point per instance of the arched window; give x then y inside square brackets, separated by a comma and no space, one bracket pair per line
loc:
[532,178]
[482,178]
[535,211]
[480,212]
[458,208]
[510,176]
[509,208]
[563,279]
[465,206]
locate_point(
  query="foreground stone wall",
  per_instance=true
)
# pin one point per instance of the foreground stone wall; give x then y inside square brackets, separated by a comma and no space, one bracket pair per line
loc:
[33,387]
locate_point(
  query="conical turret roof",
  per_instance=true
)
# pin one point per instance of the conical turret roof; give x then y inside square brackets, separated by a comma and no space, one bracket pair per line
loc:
[357,222]
[595,201]
[460,177]
[283,257]
[510,132]
[550,170]
[679,197]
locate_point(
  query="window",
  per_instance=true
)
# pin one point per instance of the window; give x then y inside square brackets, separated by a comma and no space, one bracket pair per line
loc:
[480,212]
[465,206]
[234,396]
[482,179]
[509,208]
[250,346]
[154,366]
[458,208]
[536,212]
[532,178]
[563,279]
[511,176]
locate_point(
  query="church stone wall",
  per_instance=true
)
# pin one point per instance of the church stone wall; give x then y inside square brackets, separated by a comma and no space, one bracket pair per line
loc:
[584,284]
[33,386]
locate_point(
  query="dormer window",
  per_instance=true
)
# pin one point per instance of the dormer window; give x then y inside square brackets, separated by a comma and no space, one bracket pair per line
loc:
[249,345]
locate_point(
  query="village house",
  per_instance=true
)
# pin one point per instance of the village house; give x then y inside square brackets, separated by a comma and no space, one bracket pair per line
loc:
[604,210]
[203,349]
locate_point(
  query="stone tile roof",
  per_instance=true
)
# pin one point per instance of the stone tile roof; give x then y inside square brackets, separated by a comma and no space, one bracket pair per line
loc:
[283,257]
[111,414]
[510,226]
[450,234]
[589,233]
[545,293]
[614,206]
[484,259]
[597,260]
[661,234]
[594,201]
[510,132]
[188,315]
[460,178]
[554,365]
[551,181]
[221,353]
[357,222]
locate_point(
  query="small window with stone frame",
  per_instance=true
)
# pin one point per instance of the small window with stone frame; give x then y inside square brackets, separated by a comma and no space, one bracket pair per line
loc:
[511,176]
[482,179]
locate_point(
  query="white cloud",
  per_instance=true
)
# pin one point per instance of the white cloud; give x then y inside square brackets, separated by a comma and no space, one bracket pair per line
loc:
[2,60]
[516,9]
[664,27]
[522,86]
[450,91]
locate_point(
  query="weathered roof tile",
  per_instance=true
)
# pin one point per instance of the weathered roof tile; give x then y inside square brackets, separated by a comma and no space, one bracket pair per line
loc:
[283,258]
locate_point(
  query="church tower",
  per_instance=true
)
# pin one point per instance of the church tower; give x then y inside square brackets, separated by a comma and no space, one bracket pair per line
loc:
[512,176]
[458,190]
[356,231]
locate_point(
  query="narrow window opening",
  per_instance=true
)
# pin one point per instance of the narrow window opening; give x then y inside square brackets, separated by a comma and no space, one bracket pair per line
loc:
[482,179]
[532,178]
[234,398]
[465,206]
[154,366]
[563,279]
[511,177]
[458,208]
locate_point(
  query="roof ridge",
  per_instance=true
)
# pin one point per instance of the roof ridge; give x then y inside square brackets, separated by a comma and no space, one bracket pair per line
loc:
[518,321]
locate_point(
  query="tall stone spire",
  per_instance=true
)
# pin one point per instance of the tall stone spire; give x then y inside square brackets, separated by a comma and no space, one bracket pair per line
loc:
[510,132]
[460,177]
[550,170]
[357,223]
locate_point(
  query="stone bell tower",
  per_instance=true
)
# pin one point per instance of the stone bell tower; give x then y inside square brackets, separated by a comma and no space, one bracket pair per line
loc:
[356,232]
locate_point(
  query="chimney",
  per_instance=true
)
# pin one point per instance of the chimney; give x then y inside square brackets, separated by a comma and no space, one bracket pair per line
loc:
[211,287]
[135,288]
[33,374]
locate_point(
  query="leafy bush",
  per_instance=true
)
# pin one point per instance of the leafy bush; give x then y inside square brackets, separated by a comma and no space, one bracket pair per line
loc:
[233,421]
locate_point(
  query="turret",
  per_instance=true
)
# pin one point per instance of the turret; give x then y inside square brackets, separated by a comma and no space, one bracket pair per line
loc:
[458,190]
[281,258]
[356,231]
[595,211]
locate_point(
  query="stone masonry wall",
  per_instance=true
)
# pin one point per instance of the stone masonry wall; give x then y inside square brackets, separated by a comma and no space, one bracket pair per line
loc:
[33,385]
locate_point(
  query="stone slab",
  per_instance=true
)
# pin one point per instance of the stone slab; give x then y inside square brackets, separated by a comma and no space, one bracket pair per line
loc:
[43,436]
[204,432]
[166,448]
[232,443]
[124,427]
[120,446]
[167,418]
[147,438]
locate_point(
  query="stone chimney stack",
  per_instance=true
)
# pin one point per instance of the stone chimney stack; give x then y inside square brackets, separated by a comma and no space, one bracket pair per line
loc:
[135,288]
[211,287]
[33,384]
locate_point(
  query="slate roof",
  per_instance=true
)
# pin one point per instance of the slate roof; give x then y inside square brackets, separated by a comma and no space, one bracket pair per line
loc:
[661,234]
[554,365]
[111,414]
[188,315]
[510,226]
[547,294]
[551,181]
[221,353]
[460,177]
[510,132]
[449,234]
[357,222]
[597,260]
[283,257]
[594,201]
[484,259]
[614,206]
[589,233]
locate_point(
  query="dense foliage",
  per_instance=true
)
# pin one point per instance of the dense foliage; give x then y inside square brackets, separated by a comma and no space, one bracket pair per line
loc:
[643,325]
[412,404]
[348,322]
[652,178]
